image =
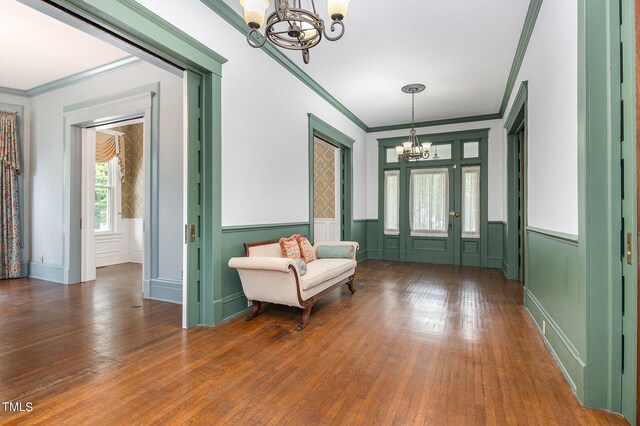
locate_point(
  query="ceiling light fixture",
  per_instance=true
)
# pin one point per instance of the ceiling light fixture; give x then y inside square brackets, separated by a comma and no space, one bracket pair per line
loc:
[412,149]
[292,27]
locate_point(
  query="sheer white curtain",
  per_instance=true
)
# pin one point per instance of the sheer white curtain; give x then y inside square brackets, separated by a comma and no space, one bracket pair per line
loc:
[471,202]
[392,202]
[429,202]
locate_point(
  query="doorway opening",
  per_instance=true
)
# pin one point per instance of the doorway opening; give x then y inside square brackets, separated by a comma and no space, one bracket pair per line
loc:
[112,88]
[522,200]
[435,210]
[335,149]
[328,184]
[113,198]
[514,262]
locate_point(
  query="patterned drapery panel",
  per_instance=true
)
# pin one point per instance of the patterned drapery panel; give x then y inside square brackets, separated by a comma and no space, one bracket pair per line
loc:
[10,244]
[108,147]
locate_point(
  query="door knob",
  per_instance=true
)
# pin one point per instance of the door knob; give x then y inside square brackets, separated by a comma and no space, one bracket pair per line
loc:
[456,214]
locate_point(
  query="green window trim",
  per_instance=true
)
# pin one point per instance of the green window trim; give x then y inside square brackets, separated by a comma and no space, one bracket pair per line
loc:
[457,139]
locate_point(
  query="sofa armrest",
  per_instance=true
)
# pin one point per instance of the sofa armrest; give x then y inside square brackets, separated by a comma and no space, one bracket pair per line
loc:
[269,279]
[277,264]
[355,245]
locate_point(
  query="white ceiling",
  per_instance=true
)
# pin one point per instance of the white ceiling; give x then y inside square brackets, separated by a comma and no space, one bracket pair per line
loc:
[461,49]
[37,49]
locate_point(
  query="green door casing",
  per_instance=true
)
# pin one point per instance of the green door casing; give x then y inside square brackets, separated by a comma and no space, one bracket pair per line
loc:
[455,155]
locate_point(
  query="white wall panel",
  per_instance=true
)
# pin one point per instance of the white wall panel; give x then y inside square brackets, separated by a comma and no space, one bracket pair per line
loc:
[551,68]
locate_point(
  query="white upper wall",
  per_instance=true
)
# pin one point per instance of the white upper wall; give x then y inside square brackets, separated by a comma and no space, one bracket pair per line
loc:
[495,163]
[265,136]
[551,68]
[47,171]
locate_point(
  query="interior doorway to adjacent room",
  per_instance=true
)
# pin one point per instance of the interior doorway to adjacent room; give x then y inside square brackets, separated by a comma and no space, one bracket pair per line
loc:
[113,196]
[328,192]
[522,199]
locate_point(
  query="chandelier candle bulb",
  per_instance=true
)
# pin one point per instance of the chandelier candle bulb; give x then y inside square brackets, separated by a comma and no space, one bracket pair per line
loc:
[254,11]
[338,9]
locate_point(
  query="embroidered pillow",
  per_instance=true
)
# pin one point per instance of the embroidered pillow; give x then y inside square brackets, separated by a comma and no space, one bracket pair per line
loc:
[306,249]
[302,266]
[290,247]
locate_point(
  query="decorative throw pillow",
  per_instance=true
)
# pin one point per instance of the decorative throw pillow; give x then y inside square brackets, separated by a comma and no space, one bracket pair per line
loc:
[306,249]
[302,266]
[336,252]
[290,247]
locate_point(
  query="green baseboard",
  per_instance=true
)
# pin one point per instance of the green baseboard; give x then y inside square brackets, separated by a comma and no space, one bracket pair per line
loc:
[562,349]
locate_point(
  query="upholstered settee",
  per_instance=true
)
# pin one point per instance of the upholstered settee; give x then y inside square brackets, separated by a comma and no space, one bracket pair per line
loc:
[267,276]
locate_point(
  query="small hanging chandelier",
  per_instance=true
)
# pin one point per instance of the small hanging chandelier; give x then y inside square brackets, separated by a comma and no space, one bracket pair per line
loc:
[412,149]
[290,26]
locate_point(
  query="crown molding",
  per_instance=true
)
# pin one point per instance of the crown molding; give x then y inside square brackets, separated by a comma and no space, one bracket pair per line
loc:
[84,75]
[521,50]
[74,78]
[13,92]
[442,122]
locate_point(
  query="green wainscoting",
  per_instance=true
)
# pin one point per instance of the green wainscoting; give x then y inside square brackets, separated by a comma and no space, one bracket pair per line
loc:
[505,249]
[495,244]
[233,301]
[373,251]
[555,298]
[359,234]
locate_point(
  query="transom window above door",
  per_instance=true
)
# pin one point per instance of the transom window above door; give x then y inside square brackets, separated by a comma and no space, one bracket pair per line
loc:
[440,151]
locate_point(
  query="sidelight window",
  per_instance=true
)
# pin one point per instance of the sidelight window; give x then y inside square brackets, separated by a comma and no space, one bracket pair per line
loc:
[392,202]
[471,202]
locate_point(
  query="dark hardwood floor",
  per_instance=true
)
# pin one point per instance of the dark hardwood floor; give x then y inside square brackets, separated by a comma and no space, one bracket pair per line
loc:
[416,344]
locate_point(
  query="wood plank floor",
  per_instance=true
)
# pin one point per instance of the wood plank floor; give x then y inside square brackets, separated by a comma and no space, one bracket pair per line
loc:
[417,344]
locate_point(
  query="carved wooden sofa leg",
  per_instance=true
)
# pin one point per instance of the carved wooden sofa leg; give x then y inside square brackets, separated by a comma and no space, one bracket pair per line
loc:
[255,310]
[350,284]
[306,313]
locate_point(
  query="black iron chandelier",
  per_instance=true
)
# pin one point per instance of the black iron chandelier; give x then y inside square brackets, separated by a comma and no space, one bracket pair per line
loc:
[292,27]
[412,149]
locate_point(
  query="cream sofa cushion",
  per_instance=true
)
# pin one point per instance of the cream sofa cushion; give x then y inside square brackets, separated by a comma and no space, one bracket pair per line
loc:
[322,270]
